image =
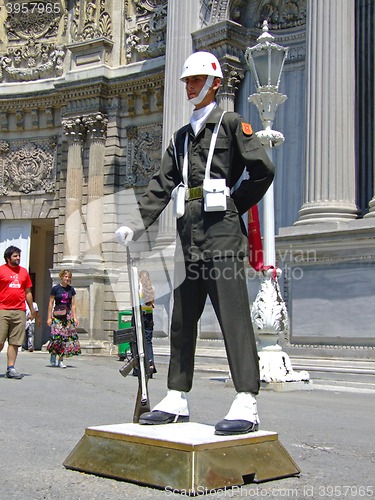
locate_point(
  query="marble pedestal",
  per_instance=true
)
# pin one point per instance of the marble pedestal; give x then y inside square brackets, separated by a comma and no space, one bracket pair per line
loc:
[185,457]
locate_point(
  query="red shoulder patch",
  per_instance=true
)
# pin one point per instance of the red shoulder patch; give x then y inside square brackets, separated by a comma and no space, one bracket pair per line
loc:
[246,127]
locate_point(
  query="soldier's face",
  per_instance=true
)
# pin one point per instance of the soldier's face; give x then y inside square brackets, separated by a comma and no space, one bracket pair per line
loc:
[194,85]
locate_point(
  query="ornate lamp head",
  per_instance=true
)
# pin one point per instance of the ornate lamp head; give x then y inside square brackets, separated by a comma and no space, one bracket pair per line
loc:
[266,61]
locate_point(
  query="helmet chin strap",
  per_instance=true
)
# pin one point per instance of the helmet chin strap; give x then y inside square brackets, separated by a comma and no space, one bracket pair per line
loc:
[202,94]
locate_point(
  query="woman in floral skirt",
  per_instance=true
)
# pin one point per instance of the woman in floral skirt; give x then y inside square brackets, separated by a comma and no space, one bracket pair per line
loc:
[62,319]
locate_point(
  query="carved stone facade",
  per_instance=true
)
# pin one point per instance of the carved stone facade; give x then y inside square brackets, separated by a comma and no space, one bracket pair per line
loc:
[91,20]
[280,14]
[144,154]
[145,29]
[32,31]
[27,167]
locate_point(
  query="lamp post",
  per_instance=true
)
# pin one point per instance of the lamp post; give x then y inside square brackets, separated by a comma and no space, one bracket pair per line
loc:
[269,314]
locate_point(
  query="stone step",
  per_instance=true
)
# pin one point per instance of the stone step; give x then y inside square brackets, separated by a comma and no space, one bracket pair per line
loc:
[358,366]
[344,386]
[211,357]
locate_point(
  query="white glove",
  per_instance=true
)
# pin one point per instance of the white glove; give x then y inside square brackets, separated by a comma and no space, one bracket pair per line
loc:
[124,235]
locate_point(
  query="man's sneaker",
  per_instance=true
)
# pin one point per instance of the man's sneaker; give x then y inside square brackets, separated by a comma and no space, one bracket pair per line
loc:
[13,373]
[61,364]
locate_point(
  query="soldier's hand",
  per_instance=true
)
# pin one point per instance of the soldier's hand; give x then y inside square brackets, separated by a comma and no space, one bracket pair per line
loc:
[124,235]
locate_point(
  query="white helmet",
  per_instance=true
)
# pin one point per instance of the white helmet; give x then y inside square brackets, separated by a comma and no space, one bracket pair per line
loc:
[201,63]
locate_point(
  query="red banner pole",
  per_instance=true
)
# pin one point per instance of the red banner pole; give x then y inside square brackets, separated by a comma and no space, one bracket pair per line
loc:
[255,239]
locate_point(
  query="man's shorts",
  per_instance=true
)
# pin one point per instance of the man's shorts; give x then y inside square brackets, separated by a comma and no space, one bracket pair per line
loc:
[12,326]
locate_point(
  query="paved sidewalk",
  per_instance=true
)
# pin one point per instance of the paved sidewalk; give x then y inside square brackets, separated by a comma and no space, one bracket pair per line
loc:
[329,433]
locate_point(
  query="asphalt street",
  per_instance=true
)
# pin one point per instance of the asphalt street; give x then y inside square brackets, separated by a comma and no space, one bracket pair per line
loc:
[329,433]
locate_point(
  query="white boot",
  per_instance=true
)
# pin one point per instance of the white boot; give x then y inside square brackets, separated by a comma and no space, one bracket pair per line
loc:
[244,407]
[241,418]
[174,402]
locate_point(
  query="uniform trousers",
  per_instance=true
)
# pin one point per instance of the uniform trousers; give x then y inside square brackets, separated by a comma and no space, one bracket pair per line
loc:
[224,281]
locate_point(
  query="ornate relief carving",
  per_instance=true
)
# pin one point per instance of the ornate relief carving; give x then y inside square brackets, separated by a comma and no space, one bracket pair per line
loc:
[28,26]
[4,146]
[268,312]
[144,154]
[34,21]
[32,61]
[28,167]
[219,9]
[146,24]
[91,20]
[280,13]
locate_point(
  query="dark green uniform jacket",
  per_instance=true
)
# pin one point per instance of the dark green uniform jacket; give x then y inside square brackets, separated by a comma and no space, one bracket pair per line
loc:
[206,235]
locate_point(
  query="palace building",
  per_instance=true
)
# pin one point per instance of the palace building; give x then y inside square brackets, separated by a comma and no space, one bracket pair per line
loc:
[89,98]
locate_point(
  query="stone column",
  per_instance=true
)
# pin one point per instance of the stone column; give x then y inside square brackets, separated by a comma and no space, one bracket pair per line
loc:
[74,130]
[182,20]
[96,125]
[365,17]
[330,118]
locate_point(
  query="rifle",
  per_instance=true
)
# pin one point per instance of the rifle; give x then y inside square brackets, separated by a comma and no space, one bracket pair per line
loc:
[135,336]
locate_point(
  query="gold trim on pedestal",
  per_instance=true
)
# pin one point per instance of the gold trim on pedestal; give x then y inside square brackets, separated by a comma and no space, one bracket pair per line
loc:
[184,457]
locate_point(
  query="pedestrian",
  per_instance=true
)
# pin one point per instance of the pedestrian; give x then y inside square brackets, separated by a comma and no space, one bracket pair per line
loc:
[28,344]
[15,289]
[199,170]
[147,298]
[62,318]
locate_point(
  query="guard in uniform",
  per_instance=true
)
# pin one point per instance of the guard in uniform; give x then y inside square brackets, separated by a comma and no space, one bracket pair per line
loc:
[199,169]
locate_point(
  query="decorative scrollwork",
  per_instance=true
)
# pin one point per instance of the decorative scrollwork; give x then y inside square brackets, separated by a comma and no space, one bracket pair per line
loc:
[268,312]
[34,23]
[28,169]
[144,154]
[281,14]
[218,10]
[146,29]
[91,20]
[32,61]
[29,56]
[4,147]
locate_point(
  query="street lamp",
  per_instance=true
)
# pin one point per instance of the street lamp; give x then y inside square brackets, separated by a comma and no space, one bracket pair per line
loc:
[266,61]
[269,314]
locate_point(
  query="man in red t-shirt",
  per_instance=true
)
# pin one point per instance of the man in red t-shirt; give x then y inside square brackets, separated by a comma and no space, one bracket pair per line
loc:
[15,288]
